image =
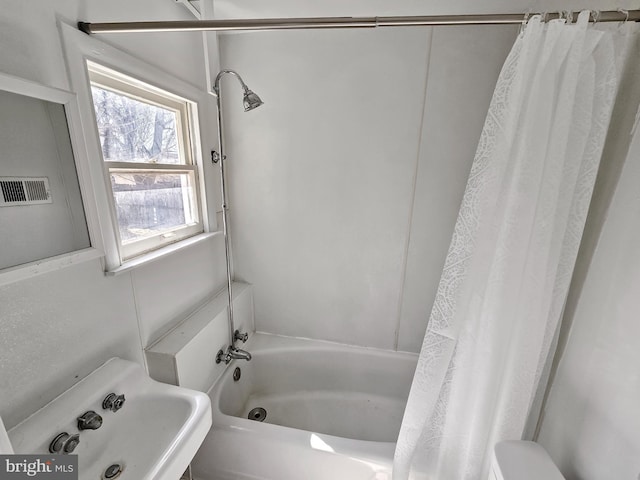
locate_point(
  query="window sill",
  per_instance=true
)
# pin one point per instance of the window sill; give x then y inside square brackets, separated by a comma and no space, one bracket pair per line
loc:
[150,257]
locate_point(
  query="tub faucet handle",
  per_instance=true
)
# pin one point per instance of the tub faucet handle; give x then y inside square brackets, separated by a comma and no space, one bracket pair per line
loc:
[237,335]
[223,356]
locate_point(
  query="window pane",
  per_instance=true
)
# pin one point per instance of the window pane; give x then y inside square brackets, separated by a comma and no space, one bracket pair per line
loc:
[134,131]
[150,203]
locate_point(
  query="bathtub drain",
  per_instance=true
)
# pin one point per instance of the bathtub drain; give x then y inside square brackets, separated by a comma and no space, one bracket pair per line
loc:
[258,414]
[113,471]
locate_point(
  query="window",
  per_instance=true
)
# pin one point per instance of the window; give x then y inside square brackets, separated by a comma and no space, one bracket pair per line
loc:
[145,136]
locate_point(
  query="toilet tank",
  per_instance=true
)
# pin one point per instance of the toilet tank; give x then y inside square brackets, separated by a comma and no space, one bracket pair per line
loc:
[520,460]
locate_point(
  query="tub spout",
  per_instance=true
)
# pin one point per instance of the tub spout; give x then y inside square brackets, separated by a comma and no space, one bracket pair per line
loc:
[239,354]
[232,353]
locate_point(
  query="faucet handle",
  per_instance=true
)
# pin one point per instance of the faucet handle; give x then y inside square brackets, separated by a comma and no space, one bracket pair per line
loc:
[221,356]
[64,443]
[72,442]
[89,421]
[113,402]
[237,335]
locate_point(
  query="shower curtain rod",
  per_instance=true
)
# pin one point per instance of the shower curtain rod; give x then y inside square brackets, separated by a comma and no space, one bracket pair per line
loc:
[338,22]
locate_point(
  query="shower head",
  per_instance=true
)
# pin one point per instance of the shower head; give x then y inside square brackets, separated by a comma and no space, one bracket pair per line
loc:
[251,100]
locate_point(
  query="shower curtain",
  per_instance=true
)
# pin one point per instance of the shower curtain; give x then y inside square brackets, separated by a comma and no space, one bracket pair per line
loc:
[510,261]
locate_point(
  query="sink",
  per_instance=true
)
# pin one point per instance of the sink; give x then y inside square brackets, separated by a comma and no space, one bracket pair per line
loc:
[154,436]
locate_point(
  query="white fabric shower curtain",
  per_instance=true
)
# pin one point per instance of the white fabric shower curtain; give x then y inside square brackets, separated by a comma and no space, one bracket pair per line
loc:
[508,268]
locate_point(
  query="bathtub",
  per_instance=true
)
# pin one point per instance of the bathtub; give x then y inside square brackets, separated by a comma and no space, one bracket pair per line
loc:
[332,412]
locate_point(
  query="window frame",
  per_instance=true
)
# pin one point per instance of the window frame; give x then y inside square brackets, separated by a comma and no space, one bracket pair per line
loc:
[122,84]
[80,50]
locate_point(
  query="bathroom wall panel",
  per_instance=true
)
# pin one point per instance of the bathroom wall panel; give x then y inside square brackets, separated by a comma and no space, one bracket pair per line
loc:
[322,175]
[166,291]
[464,66]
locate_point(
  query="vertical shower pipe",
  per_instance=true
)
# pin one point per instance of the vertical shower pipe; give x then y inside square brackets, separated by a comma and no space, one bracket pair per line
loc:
[250,101]
[225,228]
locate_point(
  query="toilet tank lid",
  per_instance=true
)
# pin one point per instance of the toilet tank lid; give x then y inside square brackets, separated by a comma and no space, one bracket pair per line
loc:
[520,460]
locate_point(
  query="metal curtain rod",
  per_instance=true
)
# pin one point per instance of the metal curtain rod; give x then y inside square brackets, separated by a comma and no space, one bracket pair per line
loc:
[337,22]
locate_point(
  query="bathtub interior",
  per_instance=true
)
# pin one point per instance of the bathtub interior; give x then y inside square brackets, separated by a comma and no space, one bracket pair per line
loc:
[346,392]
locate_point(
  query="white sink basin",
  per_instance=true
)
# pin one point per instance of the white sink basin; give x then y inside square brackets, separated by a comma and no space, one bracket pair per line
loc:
[154,436]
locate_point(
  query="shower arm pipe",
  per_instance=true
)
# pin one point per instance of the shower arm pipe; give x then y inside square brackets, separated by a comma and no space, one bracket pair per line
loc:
[223,188]
[216,83]
[339,22]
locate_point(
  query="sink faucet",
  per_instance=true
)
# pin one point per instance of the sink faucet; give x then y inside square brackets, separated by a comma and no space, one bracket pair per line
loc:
[232,353]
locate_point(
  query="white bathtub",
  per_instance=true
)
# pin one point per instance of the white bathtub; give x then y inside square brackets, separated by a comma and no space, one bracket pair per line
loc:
[333,412]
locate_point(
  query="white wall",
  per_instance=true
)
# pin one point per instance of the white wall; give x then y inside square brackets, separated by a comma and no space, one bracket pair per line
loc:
[323,177]
[463,67]
[58,327]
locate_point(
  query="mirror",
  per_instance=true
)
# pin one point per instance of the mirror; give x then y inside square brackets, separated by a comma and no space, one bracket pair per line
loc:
[42,215]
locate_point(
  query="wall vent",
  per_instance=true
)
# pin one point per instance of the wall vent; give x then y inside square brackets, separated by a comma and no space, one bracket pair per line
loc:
[24,191]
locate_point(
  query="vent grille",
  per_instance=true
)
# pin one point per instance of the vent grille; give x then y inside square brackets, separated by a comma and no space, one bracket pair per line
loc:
[24,191]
